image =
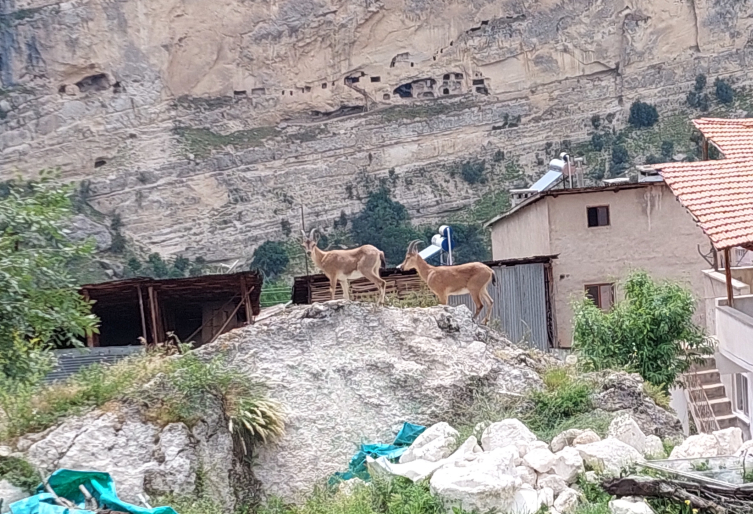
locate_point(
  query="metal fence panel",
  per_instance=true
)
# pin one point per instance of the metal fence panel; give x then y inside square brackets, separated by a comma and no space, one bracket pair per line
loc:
[519,303]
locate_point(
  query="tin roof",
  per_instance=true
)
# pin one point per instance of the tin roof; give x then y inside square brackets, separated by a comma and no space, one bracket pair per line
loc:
[734,138]
[719,194]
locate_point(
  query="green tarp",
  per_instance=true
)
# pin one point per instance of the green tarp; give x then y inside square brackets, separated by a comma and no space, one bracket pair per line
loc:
[65,483]
[357,467]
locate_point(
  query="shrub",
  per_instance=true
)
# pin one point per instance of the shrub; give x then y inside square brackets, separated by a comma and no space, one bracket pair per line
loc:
[596,121]
[499,156]
[658,394]
[286,228]
[473,172]
[650,332]
[19,473]
[620,156]
[724,92]
[643,115]
[653,159]
[270,258]
[667,149]
[385,224]
[563,397]
[700,82]
[39,294]
[158,265]
[597,141]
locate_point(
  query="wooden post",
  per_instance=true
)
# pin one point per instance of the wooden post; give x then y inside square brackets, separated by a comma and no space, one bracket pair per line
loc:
[728,274]
[227,321]
[143,317]
[705,150]
[153,314]
[89,336]
[246,301]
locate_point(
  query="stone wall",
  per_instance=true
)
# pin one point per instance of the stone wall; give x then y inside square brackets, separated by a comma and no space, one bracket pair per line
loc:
[204,125]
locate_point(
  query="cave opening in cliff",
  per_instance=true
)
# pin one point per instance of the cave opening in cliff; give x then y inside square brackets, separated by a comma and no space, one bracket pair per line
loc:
[98,163]
[478,82]
[117,88]
[241,92]
[98,82]
[404,90]
[376,79]
[445,91]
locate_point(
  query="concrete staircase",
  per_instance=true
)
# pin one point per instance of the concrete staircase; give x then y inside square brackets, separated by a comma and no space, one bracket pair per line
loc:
[708,399]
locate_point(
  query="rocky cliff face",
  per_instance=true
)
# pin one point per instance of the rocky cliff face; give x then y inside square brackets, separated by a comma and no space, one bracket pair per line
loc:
[204,124]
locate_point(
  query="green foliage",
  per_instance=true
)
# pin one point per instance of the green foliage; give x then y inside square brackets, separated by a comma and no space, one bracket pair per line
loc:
[643,115]
[699,101]
[596,121]
[562,397]
[653,159]
[270,258]
[134,265]
[473,172]
[275,292]
[41,306]
[385,224]
[620,157]
[158,265]
[592,491]
[202,142]
[724,92]
[700,82]
[118,244]
[658,394]
[342,221]
[650,332]
[499,156]
[19,473]
[180,390]
[667,150]
[597,141]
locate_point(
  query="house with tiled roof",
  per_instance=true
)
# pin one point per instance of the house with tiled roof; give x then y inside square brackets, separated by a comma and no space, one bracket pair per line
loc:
[718,195]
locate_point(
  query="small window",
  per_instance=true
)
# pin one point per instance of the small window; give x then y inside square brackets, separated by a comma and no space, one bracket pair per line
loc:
[324,85]
[598,216]
[446,77]
[741,394]
[376,79]
[478,82]
[601,294]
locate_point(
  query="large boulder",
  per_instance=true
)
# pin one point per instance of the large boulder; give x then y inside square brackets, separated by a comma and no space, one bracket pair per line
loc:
[349,372]
[588,436]
[623,506]
[622,393]
[568,464]
[540,459]
[434,444]
[81,228]
[10,493]
[487,483]
[729,440]
[609,455]
[567,501]
[565,438]
[700,445]
[140,456]
[507,432]
[654,448]
[627,430]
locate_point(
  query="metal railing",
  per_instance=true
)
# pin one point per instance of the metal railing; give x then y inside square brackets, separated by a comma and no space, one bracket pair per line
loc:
[700,407]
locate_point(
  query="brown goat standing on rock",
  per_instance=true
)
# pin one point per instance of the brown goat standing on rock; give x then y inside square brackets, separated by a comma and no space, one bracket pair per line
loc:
[445,281]
[346,265]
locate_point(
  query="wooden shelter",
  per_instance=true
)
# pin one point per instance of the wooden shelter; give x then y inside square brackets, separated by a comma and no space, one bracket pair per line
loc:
[195,309]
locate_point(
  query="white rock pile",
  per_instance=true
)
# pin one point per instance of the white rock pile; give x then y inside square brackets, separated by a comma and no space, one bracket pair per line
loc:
[512,471]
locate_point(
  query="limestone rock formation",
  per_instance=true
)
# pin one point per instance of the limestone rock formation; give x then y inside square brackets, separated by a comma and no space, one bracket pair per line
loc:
[10,493]
[350,372]
[205,124]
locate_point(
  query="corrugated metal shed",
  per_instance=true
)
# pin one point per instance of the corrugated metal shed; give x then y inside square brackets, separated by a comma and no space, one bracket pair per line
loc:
[521,303]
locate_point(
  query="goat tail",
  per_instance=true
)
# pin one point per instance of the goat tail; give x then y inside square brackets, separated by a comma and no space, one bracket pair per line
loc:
[383,262]
[494,278]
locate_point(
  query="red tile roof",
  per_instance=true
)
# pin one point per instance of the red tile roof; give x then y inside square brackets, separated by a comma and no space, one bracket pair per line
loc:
[719,194]
[733,137]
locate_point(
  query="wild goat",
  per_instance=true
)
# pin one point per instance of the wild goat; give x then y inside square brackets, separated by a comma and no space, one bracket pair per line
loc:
[346,265]
[445,281]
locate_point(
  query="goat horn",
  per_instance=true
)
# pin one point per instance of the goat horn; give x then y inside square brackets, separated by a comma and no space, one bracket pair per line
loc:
[311,235]
[413,245]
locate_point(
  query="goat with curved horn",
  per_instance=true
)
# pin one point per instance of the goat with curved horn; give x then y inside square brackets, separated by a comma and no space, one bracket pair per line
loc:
[446,281]
[346,265]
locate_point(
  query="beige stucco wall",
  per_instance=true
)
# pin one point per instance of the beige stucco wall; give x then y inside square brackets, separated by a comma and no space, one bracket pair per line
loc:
[522,234]
[648,230]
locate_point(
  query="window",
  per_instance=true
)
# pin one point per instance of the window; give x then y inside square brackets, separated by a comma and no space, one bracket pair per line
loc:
[601,294]
[741,394]
[376,79]
[598,216]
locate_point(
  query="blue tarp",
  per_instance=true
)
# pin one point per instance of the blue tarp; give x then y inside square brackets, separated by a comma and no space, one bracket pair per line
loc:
[357,467]
[65,483]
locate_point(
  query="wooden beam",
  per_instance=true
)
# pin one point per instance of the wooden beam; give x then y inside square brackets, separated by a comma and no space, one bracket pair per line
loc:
[153,314]
[89,336]
[246,302]
[728,275]
[143,317]
[705,150]
[227,321]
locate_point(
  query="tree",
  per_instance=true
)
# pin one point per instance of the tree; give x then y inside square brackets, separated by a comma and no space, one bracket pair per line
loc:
[385,224]
[650,332]
[724,92]
[158,265]
[597,141]
[473,172]
[700,82]
[41,305]
[270,258]
[643,115]
[667,149]
[620,157]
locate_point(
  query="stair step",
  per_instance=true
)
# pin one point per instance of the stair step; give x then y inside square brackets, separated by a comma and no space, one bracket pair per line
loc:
[721,407]
[713,391]
[709,377]
[727,421]
[708,363]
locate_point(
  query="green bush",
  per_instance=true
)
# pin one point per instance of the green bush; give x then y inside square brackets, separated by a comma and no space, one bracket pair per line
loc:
[271,258]
[650,332]
[473,172]
[653,159]
[724,92]
[643,115]
[620,157]
[700,82]
[667,149]
[19,473]
[158,266]
[598,141]
[562,397]
[385,224]
[42,307]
